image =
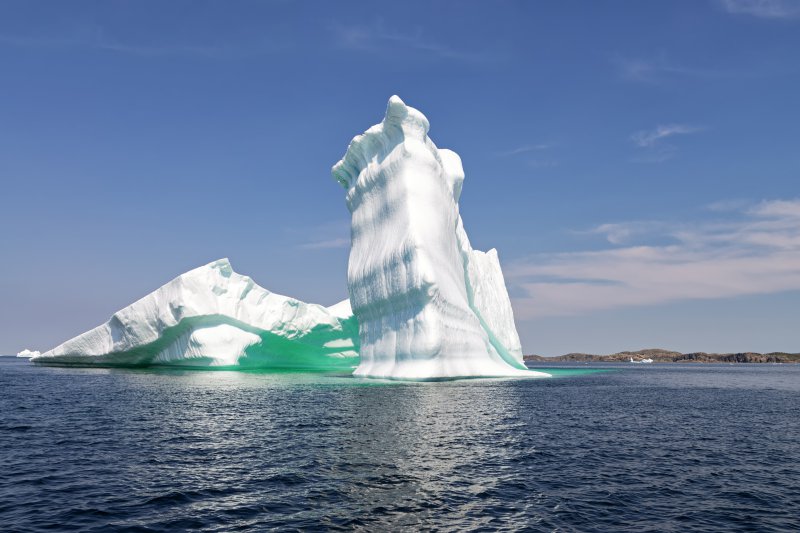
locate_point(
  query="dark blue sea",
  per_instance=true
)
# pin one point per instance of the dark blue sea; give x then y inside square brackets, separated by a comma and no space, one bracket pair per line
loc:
[597,448]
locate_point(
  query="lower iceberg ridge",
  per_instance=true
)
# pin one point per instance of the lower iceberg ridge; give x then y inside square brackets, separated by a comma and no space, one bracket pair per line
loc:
[213,317]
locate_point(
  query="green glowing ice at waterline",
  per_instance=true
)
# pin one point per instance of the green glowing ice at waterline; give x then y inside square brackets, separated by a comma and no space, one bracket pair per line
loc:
[212,317]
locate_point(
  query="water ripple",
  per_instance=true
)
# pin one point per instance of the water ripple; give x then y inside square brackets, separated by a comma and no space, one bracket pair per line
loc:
[664,448]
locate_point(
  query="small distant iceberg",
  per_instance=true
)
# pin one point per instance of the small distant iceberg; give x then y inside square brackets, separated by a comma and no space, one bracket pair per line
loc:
[642,361]
[212,317]
[28,353]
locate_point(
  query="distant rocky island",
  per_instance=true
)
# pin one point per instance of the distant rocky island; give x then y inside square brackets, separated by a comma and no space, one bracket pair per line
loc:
[667,356]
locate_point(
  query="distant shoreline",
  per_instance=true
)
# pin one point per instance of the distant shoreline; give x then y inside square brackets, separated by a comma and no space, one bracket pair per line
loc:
[657,355]
[667,356]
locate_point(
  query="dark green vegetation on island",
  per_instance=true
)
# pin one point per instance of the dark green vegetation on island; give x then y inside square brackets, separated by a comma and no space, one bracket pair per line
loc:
[667,356]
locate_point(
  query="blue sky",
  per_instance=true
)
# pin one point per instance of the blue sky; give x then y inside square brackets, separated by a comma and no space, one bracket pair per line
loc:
[636,164]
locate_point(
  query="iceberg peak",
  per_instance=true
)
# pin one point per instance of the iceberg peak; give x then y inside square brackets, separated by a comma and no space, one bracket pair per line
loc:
[223,265]
[428,306]
[412,123]
[400,122]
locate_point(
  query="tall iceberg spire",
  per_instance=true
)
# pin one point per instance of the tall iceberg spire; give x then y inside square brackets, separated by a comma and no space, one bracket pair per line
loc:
[427,304]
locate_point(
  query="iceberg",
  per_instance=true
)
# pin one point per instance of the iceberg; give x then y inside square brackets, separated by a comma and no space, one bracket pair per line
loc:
[423,304]
[212,317]
[428,306]
[28,353]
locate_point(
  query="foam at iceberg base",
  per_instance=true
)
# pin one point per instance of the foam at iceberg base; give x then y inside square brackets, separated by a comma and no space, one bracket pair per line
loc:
[213,317]
[428,305]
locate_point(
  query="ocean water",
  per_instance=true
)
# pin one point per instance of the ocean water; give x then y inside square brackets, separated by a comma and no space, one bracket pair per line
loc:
[598,448]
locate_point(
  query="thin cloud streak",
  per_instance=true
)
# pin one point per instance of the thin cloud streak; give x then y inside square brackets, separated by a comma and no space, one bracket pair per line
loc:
[649,138]
[326,245]
[329,235]
[658,69]
[376,38]
[621,233]
[723,206]
[769,9]
[96,38]
[758,253]
[653,145]
[525,149]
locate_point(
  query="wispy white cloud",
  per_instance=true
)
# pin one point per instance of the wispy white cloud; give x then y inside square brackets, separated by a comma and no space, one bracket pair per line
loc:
[538,151]
[524,149]
[727,205]
[624,232]
[771,9]
[653,145]
[644,70]
[340,242]
[758,252]
[649,138]
[659,68]
[326,236]
[168,49]
[377,38]
[95,37]
[789,209]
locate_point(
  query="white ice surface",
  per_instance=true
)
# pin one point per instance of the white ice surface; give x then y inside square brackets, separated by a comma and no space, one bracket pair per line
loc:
[212,316]
[28,353]
[428,305]
[423,304]
[341,309]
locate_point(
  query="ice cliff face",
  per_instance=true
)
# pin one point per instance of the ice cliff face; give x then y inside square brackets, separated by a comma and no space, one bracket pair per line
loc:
[427,304]
[213,317]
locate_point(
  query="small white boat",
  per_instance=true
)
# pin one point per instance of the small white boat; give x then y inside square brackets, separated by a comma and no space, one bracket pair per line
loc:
[642,361]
